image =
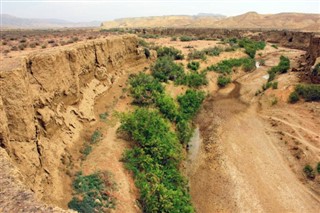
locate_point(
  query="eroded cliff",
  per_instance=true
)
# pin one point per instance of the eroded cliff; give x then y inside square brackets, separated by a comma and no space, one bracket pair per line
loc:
[47,98]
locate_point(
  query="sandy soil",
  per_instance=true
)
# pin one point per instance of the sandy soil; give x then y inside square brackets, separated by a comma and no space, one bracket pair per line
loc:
[244,166]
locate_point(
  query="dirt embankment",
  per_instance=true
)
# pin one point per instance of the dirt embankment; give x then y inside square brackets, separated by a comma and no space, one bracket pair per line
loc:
[290,39]
[47,99]
[313,58]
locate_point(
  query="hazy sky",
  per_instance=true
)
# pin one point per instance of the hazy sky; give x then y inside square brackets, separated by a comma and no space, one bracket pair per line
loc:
[110,9]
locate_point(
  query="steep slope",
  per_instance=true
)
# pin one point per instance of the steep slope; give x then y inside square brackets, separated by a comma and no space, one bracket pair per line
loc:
[48,98]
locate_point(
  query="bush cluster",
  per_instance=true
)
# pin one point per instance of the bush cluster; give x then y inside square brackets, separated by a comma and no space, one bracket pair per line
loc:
[310,92]
[226,66]
[251,46]
[193,65]
[187,38]
[170,52]
[223,80]
[91,193]
[282,67]
[144,88]
[154,162]
[166,69]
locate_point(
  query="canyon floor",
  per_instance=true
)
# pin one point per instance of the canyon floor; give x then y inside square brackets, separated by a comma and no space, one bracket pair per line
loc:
[252,147]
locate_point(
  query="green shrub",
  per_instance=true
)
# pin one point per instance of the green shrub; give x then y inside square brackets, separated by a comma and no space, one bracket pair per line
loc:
[143,43]
[184,131]
[251,46]
[282,67]
[318,168]
[190,103]
[248,65]
[223,80]
[194,79]
[186,38]
[91,194]
[310,92]
[173,38]
[212,51]
[86,150]
[308,170]
[193,65]
[154,162]
[267,86]
[166,69]
[196,54]
[226,66]
[170,52]
[144,88]
[293,97]
[274,46]
[96,136]
[275,85]
[167,106]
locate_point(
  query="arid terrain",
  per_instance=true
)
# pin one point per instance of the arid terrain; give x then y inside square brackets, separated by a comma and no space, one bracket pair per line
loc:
[250,20]
[61,108]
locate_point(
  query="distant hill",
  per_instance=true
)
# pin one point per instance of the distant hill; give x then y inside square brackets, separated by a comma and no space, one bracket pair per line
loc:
[291,21]
[8,21]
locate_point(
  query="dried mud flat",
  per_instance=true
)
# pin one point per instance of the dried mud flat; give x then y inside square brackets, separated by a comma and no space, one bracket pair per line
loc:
[244,165]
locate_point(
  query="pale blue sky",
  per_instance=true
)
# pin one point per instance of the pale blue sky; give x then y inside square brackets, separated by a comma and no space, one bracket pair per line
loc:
[107,9]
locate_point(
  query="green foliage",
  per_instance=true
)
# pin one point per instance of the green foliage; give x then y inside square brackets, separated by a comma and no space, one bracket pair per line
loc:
[308,170]
[173,38]
[187,38]
[149,36]
[96,136]
[226,66]
[282,67]
[267,86]
[223,80]
[170,52]
[167,106]
[274,46]
[103,116]
[310,92]
[194,79]
[275,85]
[155,161]
[143,43]
[144,88]
[318,167]
[90,194]
[86,150]
[193,65]
[212,51]
[184,130]
[190,103]
[251,46]
[196,54]
[166,69]
[293,97]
